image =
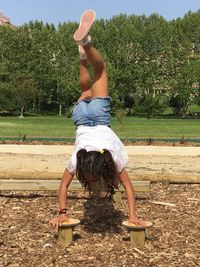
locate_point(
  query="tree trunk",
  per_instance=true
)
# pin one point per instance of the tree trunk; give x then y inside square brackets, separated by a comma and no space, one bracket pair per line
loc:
[21,112]
[33,108]
[60,110]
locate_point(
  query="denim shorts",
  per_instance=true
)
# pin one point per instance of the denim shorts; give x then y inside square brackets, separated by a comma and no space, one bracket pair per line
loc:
[92,112]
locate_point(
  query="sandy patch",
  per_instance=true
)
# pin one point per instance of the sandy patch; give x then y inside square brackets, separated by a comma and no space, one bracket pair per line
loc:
[145,162]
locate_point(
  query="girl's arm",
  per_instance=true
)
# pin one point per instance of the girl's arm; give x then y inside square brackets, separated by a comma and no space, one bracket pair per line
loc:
[65,182]
[130,195]
[131,200]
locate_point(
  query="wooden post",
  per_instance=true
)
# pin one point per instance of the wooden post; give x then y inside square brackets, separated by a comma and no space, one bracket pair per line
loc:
[117,197]
[65,232]
[65,235]
[137,238]
[137,234]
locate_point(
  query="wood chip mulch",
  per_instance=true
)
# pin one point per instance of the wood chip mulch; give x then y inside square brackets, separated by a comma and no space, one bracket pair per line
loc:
[27,239]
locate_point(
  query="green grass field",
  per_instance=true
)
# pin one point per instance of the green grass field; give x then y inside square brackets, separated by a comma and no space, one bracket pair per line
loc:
[133,127]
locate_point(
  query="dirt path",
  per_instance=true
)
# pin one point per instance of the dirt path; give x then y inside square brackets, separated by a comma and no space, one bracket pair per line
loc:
[145,162]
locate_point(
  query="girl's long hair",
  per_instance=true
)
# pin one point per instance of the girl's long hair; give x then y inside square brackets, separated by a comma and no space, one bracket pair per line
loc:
[97,167]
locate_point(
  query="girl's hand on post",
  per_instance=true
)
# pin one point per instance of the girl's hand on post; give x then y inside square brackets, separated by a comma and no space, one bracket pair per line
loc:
[139,222]
[57,221]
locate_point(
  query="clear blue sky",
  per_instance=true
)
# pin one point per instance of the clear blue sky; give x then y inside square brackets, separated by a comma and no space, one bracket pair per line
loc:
[55,11]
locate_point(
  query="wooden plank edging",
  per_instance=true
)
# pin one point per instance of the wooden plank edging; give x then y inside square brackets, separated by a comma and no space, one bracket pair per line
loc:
[53,185]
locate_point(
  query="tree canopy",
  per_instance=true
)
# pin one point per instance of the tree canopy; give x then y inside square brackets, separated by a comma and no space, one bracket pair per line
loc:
[152,63]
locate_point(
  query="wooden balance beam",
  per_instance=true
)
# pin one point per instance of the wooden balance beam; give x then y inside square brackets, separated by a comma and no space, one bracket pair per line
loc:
[53,185]
[137,234]
[65,232]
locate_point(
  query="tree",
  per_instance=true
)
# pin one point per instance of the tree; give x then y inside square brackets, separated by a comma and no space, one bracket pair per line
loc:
[66,67]
[6,98]
[185,88]
[25,92]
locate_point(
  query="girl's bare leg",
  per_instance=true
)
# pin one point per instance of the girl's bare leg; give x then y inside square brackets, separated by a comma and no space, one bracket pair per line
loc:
[84,80]
[100,81]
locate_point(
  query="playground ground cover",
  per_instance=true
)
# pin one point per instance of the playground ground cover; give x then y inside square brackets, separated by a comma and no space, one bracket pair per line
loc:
[26,238]
[132,127]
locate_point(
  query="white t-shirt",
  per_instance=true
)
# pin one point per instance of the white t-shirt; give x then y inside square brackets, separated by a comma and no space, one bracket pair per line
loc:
[97,138]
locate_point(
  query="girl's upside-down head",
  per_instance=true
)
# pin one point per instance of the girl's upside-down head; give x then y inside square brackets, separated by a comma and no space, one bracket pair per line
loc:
[97,168]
